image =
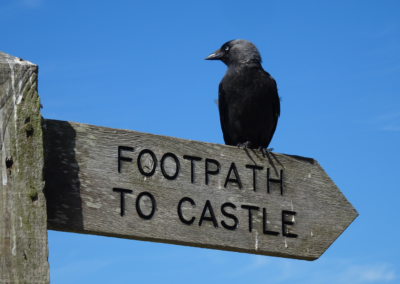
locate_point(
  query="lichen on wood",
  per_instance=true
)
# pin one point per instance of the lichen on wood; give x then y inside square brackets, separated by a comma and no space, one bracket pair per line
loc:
[23,219]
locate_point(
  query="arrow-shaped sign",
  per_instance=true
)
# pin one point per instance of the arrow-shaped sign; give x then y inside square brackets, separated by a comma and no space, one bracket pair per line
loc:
[133,185]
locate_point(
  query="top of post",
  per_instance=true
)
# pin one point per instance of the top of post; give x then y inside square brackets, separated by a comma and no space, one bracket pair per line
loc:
[12,76]
[7,58]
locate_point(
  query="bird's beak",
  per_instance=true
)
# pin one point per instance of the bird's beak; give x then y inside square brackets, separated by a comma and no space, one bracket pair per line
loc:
[215,56]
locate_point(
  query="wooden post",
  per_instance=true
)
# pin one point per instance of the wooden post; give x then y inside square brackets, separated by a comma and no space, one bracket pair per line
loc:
[23,220]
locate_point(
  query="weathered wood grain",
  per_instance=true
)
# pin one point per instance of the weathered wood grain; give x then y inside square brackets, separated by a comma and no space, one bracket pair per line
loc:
[81,171]
[23,222]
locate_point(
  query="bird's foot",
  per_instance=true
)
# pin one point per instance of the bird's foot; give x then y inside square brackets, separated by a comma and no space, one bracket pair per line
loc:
[265,151]
[244,145]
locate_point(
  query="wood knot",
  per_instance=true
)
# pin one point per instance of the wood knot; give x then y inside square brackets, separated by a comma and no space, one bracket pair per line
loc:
[33,194]
[9,163]
[28,127]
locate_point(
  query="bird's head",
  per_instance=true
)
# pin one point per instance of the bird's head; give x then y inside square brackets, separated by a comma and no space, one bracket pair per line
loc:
[238,51]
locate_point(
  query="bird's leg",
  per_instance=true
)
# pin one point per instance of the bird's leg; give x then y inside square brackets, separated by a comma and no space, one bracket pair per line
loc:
[265,151]
[244,145]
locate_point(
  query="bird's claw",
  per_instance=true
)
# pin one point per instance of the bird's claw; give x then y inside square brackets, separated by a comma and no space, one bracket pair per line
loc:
[244,145]
[265,151]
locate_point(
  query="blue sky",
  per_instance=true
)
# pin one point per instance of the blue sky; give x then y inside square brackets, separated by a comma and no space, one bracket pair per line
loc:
[140,66]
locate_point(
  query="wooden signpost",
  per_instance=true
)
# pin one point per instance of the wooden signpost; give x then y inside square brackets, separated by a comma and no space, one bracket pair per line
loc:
[133,185]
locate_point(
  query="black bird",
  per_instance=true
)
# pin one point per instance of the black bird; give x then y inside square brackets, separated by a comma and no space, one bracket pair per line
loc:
[248,98]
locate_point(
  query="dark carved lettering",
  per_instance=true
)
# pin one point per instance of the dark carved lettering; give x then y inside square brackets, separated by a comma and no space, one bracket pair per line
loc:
[226,214]
[234,180]
[269,179]
[120,158]
[284,223]
[250,208]
[254,174]
[183,220]
[177,164]
[153,203]
[208,171]
[265,225]
[139,162]
[192,159]
[203,215]
[122,191]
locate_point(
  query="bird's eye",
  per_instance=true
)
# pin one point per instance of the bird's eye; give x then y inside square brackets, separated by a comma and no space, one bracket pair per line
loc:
[227,48]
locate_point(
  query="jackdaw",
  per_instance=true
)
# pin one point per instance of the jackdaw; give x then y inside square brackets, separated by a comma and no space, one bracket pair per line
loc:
[248,98]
